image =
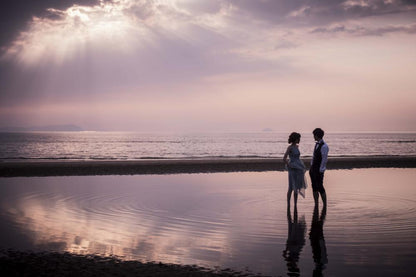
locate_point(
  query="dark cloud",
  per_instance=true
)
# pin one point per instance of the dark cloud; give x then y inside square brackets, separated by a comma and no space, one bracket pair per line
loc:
[362,31]
[15,14]
[411,29]
[332,30]
[317,13]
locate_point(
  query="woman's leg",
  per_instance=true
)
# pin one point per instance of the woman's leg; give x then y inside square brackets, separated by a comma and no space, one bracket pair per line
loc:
[289,195]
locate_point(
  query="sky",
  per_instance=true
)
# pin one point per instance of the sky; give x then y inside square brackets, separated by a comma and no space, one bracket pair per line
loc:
[209,65]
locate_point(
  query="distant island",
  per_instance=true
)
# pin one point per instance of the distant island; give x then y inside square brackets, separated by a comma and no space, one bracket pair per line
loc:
[267,130]
[47,128]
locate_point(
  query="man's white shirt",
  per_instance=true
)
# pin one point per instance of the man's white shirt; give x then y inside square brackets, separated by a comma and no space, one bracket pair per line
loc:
[324,152]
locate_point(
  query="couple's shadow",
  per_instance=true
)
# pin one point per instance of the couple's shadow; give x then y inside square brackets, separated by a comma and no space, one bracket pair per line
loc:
[296,240]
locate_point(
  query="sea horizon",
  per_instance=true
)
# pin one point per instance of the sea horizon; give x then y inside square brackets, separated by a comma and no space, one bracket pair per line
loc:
[125,146]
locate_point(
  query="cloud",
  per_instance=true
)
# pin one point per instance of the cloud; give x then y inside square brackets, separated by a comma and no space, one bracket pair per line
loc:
[224,17]
[365,31]
[84,51]
[16,14]
[316,13]
[285,44]
[123,26]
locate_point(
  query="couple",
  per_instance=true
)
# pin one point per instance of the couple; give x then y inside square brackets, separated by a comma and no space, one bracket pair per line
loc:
[296,168]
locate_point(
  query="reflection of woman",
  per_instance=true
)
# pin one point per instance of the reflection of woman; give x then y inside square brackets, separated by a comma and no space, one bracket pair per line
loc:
[317,239]
[296,231]
[296,169]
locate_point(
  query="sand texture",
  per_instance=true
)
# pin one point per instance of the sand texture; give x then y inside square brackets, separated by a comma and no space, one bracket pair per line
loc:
[17,263]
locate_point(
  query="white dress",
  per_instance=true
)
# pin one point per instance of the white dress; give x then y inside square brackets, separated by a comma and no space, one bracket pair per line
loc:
[296,170]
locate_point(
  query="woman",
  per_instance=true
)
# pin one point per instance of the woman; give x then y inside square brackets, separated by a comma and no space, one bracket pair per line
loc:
[296,169]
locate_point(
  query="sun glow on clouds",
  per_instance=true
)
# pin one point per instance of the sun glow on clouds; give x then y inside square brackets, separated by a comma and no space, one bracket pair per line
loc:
[121,26]
[78,27]
[127,26]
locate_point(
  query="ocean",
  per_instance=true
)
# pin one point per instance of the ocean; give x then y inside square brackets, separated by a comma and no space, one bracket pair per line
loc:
[26,146]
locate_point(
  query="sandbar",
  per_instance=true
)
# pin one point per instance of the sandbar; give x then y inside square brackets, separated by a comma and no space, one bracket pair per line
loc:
[176,166]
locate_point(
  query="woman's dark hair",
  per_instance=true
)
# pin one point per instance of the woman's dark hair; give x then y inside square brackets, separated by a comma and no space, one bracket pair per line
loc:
[318,132]
[293,137]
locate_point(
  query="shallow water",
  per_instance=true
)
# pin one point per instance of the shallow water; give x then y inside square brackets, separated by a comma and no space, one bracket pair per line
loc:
[227,220]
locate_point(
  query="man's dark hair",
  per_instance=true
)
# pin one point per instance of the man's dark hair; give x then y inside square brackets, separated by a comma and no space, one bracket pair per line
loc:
[318,132]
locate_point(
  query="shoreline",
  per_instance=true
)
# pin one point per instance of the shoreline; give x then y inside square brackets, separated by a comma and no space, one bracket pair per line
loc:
[28,263]
[176,166]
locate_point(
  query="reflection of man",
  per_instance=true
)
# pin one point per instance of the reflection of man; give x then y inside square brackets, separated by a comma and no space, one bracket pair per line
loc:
[295,241]
[317,239]
[318,166]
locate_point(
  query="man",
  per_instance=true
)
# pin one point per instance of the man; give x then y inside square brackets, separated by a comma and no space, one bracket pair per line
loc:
[318,166]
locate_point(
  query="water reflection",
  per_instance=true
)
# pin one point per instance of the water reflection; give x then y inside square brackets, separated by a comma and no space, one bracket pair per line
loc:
[230,220]
[317,239]
[296,230]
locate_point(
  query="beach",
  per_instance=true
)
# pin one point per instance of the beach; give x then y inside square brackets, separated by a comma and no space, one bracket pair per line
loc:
[193,138]
[175,166]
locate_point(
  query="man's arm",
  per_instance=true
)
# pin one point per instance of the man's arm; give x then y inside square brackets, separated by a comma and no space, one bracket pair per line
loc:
[324,152]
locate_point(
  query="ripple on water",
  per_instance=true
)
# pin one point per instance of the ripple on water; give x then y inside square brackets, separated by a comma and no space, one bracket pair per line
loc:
[235,220]
[371,219]
[111,209]
[207,217]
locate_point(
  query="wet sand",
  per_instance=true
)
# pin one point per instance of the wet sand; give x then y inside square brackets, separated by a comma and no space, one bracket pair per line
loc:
[16,263]
[174,166]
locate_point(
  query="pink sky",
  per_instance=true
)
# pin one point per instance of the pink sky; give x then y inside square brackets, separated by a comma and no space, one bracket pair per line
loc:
[217,65]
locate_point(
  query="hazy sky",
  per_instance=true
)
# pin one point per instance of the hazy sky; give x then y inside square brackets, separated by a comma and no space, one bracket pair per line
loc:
[209,65]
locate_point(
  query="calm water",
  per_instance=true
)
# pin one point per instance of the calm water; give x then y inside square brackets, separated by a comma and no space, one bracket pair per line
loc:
[235,220]
[131,146]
